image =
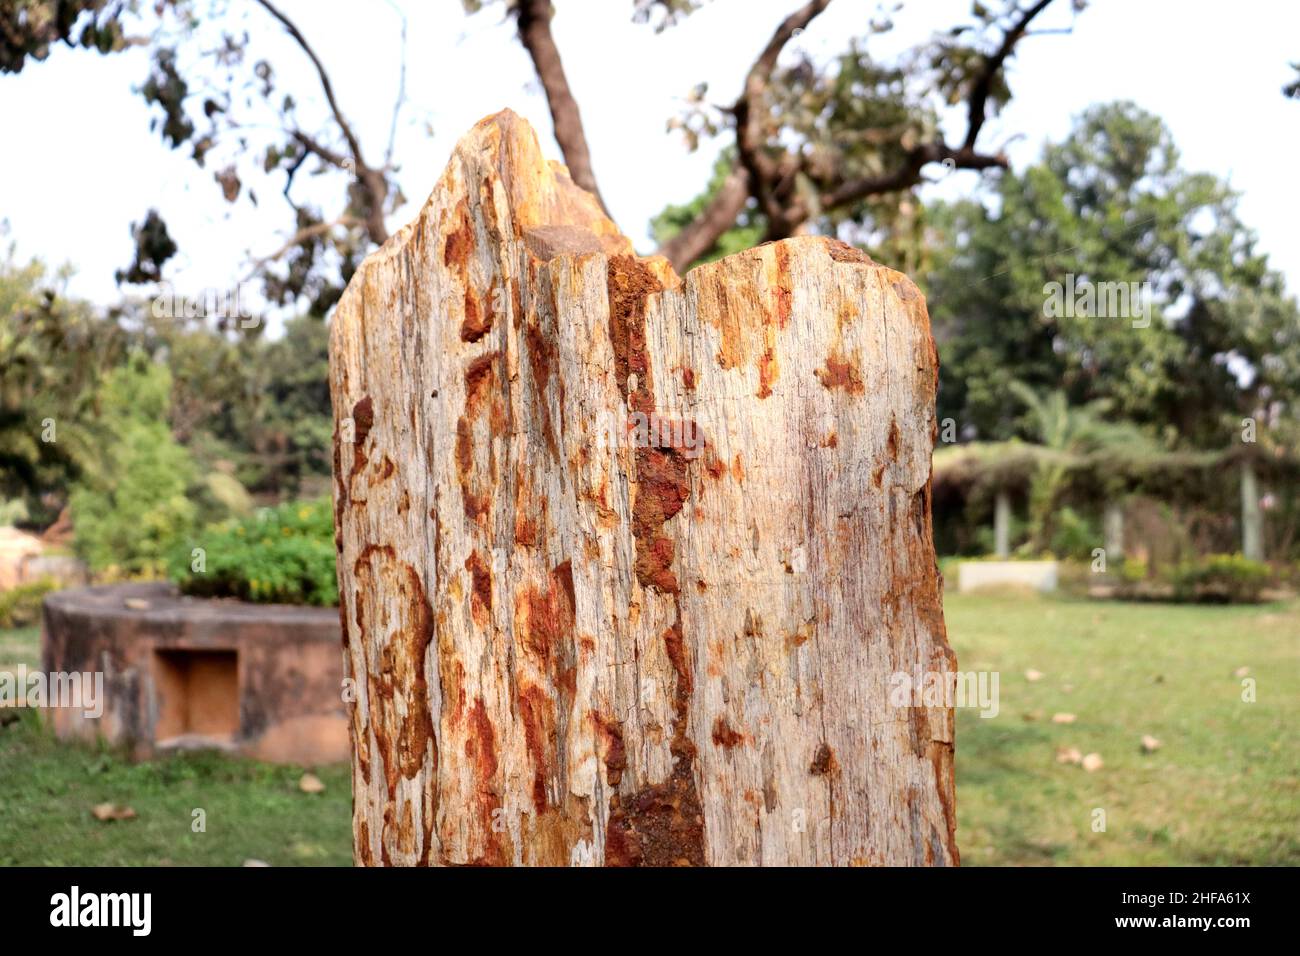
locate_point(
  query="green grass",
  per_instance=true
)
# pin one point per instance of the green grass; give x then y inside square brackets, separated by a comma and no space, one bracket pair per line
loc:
[253,810]
[20,646]
[1222,789]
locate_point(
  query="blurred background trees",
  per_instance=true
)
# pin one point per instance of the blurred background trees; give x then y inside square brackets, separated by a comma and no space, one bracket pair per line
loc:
[174,421]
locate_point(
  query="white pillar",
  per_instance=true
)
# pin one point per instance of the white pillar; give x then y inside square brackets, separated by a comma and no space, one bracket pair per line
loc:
[1252,523]
[1113,530]
[1002,524]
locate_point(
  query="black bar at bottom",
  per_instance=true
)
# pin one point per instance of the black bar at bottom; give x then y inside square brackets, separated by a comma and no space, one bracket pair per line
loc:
[465,907]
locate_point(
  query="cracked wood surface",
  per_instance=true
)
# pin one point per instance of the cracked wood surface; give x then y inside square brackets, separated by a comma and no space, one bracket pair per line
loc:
[627,560]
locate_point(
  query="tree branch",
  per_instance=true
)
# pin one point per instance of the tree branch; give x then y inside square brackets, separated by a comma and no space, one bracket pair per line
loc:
[769,178]
[750,111]
[716,218]
[371,180]
[980,89]
[756,173]
[966,157]
[299,237]
[535,34]
[909,174]
[401,90]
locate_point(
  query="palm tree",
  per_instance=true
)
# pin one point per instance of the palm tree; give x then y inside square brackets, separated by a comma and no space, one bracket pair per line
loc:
[1072,431]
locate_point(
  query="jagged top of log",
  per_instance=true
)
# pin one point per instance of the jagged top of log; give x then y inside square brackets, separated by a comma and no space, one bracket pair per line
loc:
[550,213]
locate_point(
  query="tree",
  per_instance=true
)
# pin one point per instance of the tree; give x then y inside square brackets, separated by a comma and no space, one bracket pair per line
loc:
[1212,335]
[1072,431]
[53,352]
[131,511]
[812,144]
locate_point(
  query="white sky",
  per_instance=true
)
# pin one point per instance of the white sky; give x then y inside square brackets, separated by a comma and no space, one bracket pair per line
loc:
[79,163]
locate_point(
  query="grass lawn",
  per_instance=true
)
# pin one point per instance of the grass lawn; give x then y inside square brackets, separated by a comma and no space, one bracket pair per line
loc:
[1222,788]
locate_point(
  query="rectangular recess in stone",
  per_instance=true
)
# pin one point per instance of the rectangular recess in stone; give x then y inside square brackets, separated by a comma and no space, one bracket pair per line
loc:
[197,694]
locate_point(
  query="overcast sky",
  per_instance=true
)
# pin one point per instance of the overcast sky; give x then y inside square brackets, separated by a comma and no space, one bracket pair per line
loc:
[80,163]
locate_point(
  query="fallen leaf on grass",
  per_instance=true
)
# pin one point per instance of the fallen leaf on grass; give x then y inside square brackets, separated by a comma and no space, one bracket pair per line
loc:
[1032,675]
[1241,672]
[1092,762]
[1149,744]
[1063,718]
[105,812]
[1069,755]
[310,783]
[252,862]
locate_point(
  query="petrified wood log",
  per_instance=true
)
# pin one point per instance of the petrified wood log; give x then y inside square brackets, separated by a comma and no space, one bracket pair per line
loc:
[627,560]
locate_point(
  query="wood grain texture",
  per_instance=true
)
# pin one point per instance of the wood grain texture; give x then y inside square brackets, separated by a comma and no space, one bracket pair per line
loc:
[627,561]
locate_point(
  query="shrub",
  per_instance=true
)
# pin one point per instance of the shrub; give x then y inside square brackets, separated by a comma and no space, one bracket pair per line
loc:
[281,555]
[1133,571]
[21,606]
[1221,578]
[1074,536]
[130,510]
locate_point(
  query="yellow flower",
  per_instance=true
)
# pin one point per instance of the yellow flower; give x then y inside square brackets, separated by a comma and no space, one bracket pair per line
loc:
[304,514]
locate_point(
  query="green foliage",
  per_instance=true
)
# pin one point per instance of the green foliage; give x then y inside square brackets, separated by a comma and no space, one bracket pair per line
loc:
[1059,427]
[1111,204]
[1221,578]
[284,413]
[1133,571]
[53,352]
[132,509]
[283,555]
[28,28]
[252,408]
[21,606]
[1075,536]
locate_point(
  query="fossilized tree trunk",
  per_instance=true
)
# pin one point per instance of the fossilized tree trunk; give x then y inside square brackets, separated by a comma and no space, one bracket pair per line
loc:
[627,562]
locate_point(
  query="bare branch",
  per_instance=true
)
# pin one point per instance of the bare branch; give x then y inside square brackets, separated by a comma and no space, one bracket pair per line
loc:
[326,85]
[979,94]
[909,174]
[297,239]
[535,34]
[312,145]
[371,180]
